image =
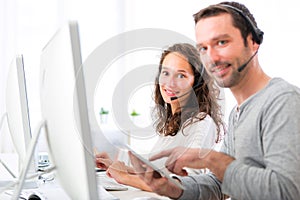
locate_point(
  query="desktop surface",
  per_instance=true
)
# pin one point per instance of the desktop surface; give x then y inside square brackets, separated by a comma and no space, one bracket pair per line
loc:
[137,194]
[53,190]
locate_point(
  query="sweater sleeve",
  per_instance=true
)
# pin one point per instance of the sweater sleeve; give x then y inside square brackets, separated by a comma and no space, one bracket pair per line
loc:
[278,176]
[201,187]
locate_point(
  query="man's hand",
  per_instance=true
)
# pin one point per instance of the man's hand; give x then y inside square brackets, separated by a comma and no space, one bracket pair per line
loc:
[181,157]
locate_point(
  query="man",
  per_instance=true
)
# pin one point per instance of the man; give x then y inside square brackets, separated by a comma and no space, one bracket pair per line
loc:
[260,156]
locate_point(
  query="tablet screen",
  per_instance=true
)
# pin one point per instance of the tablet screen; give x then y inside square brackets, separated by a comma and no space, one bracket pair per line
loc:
[162,171]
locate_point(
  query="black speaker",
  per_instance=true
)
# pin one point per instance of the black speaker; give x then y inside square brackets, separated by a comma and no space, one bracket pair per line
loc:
[256,32]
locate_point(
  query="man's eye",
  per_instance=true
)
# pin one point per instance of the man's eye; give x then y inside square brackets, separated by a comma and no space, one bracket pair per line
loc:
[202,49]
[222,42]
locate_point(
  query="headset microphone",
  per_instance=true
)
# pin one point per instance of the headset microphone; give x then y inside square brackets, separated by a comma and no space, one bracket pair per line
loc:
[192,89]
[176,97]
[242,67]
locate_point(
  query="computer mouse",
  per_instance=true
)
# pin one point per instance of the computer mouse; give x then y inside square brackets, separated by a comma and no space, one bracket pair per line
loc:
[34,197]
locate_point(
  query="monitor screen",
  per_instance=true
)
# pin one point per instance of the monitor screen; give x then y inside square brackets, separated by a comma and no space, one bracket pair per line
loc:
[64,109]
[17,109]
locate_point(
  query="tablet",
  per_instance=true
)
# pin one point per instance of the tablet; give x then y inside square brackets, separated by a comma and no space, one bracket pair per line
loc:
[162,171]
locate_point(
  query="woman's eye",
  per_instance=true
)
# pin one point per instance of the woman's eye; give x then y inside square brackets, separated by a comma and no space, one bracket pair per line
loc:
[165,73]
[180,76]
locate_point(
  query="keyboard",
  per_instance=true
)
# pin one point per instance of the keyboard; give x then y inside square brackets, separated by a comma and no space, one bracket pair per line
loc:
[108,183]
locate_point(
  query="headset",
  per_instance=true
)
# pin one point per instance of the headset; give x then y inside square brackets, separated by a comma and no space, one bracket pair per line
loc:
[256,32]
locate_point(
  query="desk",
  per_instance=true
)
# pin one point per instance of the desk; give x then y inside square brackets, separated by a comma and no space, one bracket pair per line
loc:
[133,193]
[53,190]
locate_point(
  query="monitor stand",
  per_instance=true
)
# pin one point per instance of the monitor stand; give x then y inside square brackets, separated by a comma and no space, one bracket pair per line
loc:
[22,178]
[6,183]
[28,184]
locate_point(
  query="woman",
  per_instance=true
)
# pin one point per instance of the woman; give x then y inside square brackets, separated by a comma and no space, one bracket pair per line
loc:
[186,108]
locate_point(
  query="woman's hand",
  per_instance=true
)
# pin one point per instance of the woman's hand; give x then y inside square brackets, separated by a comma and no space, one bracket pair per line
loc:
[125,175]
[153,180]
[103,161]
[119,171]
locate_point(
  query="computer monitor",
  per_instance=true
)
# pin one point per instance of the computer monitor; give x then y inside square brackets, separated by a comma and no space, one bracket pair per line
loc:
[17,110]
[17,115]
[65,117]
[64,109]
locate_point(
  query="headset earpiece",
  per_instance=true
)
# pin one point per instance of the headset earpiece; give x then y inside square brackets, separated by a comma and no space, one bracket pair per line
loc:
[257,34]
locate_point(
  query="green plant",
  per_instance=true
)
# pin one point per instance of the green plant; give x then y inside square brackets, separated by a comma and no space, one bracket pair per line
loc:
[103,112]
[134,113]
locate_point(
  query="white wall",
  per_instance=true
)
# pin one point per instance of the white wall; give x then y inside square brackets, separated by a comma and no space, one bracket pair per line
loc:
[26,26]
